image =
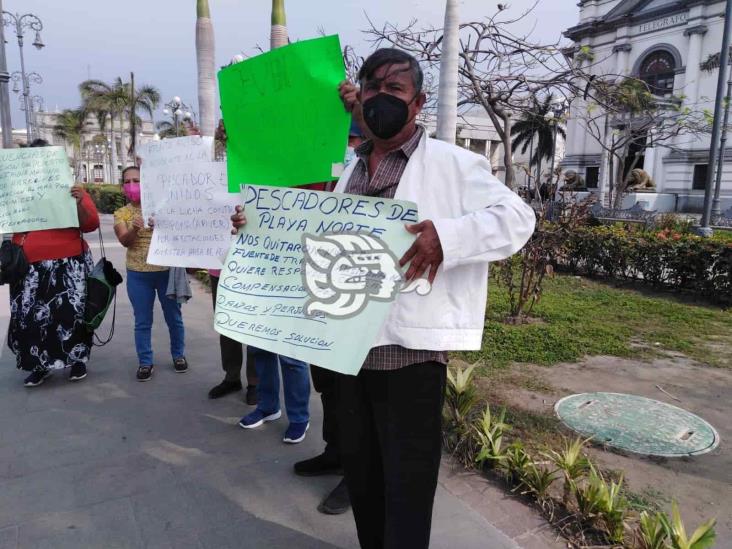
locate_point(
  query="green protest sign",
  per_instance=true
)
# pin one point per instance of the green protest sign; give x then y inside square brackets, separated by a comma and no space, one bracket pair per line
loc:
[285,123]
[34,190]
[313,274]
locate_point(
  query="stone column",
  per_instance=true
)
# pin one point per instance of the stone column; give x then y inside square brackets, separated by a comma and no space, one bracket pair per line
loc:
[622,52]
[691,81]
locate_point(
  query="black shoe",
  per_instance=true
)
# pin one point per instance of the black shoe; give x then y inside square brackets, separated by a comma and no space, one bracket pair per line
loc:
[144,373]
[319,465]
[337,502]
[180,365]
[251,397]
[224,388]
[36,378]
[78,372]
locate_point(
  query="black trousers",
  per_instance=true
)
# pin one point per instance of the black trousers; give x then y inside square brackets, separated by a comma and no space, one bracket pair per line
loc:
[232,352]
[325,382]
[390,424]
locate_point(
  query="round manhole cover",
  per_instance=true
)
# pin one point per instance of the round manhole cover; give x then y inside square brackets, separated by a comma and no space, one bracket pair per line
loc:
[637,424]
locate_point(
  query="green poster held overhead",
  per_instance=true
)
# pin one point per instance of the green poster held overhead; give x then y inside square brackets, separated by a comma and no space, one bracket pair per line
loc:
[34,190]
[285,123]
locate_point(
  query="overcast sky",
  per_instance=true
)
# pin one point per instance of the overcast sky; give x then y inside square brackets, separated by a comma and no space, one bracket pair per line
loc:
[156,38]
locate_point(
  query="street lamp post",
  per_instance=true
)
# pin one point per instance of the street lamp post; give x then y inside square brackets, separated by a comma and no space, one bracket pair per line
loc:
[5,121]
[178,110]
[36,105]
[21,23]
[705,229]
[22,82]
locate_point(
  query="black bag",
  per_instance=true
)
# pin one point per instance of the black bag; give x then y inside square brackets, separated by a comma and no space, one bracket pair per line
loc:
[13,263]
[101,291]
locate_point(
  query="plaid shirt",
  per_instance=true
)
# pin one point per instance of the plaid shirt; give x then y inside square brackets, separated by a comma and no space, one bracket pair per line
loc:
[384,183]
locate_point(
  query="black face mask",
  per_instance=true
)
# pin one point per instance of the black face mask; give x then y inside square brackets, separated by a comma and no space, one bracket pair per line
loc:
[385,115]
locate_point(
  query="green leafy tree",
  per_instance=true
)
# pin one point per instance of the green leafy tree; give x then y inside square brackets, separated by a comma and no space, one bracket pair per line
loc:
[119,102]
[166,129]
[144,99]
[107,101]
[534,130]
[70,125]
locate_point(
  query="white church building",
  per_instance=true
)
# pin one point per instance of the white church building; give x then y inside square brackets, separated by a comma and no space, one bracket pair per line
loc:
[666,44]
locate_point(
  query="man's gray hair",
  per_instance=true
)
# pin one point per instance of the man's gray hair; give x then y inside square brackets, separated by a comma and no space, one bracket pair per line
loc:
[391,56]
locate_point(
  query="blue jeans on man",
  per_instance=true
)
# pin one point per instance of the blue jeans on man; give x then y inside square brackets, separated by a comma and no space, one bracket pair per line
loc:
[296,387]
[141,289]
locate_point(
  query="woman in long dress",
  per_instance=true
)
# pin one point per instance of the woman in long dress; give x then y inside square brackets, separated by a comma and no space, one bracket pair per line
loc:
[47,330]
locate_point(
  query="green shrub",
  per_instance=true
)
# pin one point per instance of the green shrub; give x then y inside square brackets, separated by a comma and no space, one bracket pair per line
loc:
[667,258]
[107,198]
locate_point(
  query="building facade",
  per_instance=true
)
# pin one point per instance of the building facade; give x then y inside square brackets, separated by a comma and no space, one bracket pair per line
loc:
[670,45]
[95,161]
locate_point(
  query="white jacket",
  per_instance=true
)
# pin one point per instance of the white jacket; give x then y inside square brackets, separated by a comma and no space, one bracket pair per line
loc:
[478,220]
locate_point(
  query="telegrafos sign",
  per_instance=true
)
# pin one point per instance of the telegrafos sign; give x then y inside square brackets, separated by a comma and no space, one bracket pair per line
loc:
[663,23]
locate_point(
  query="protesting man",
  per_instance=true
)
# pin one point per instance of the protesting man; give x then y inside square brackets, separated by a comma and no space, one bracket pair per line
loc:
[390,413]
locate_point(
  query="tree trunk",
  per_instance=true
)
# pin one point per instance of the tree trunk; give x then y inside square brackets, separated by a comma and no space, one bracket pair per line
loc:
[278,36]
[507,154]
[125,137]
[113,154]
[623,181]
[448,89]
[205,53]
[610,179]
[131,152]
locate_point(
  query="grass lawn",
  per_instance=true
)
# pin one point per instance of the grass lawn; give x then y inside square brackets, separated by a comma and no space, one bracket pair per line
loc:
[577,317]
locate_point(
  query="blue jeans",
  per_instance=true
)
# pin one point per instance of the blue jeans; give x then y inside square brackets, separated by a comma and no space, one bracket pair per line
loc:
[295,379]
[141,288]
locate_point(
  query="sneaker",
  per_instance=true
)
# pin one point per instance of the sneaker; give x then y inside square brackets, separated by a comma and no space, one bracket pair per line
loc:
[224,388]
[337,502]
[36,378]
[78,372]
[319,465]
[296,432]
[144,373]
[251,397]
[180,365]
[257,418]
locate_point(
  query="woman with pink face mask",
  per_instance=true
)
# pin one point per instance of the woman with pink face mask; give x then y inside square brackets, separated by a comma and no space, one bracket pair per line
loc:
[145,280]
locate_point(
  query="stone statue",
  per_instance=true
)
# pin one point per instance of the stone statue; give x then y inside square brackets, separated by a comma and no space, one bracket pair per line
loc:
[573,181]
[640,181]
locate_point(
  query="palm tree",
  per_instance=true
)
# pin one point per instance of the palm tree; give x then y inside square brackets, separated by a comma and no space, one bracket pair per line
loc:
[205,52]
[278,36]
[447,94]
[106,100]
[166,129]
[533,129]
[70,125]
[146,98]
[119,101]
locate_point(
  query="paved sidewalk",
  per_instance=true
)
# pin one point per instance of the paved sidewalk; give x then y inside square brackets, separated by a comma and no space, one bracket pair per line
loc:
[112,463]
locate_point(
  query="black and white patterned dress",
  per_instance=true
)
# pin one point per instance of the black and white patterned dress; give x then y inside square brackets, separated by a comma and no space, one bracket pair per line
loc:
[47,329]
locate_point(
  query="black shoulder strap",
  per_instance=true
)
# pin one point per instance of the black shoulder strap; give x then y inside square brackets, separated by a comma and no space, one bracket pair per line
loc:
[98,341]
